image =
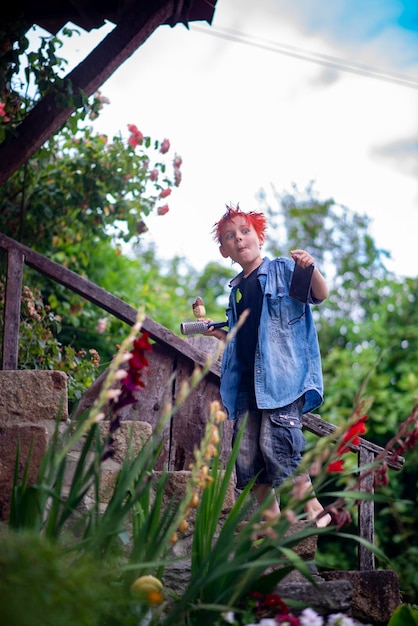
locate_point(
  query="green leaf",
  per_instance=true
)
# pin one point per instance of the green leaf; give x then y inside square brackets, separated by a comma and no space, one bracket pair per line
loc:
[404,615]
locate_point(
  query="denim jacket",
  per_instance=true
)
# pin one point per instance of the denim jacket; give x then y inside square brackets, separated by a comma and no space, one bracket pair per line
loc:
[287,360]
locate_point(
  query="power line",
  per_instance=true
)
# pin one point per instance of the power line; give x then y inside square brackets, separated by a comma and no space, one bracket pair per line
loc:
[312,57]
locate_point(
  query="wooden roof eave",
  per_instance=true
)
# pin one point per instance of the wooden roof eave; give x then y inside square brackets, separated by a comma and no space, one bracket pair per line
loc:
[47,117]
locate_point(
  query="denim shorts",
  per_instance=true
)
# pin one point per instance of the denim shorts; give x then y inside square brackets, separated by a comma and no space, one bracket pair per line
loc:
[272,442]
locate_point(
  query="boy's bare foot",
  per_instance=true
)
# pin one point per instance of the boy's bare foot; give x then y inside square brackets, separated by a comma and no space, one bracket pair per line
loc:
[324,521]
[314,511]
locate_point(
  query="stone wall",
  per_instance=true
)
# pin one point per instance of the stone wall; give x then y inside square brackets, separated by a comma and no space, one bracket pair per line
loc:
[30,403]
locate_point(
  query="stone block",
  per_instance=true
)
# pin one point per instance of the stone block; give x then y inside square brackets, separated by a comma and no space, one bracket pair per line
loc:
[306,548]
[130,434]
[32,396]
[376,594]
[33,441]
[324,597]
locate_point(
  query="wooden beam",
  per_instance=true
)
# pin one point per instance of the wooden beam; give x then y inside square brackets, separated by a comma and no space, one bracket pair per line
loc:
[47,117]
[12,303]
[365,557]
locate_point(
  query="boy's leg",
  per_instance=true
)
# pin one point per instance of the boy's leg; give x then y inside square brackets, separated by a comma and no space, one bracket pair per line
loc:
[261,492]
[313,507]
[283,443]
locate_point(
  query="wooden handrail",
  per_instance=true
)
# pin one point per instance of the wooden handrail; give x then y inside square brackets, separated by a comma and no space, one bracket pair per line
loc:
[19,254]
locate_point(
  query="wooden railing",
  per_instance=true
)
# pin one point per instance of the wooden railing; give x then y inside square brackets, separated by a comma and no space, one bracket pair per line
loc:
[18,255]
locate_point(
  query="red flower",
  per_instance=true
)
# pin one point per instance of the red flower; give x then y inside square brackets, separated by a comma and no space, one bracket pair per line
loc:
[162,210]
[177,161]
[165,146]
[381,476]
[165,192]
[272,600]
[352,436]
[154,174]
[336,466]
[130,385]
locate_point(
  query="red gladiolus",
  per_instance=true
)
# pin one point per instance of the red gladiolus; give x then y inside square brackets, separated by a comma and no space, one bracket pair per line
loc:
[352,436]
[336,467]
[381,476]
[154,174]
[130,385]
[165,192]
[177,161]
[165,146]
[162,210]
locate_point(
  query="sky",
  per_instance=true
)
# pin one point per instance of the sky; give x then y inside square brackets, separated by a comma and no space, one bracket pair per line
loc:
[264,99]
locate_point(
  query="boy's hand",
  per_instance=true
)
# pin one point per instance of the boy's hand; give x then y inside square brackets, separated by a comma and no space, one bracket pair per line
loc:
[319,287]
[219,333]
[302,258]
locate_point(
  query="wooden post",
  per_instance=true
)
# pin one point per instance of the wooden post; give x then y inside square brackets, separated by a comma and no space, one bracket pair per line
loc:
[366,513]
[12,300]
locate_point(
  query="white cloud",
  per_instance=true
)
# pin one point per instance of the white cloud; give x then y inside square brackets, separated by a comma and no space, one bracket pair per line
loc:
[245,116]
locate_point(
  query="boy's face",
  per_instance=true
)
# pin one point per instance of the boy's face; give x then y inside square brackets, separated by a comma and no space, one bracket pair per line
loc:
[240,242]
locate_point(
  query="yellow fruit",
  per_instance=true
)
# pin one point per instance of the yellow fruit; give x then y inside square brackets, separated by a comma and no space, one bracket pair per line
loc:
[146,585]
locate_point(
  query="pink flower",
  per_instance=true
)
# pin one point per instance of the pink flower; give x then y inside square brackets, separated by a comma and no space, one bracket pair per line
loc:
[133,129]
[165,192]
[102,325]
[162,210]
[177,177]
[177,161]
[136,136]
[3,114]
[154,174]
[309,617]
[165,146]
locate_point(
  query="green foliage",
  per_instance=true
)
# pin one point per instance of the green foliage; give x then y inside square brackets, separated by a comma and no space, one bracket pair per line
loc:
[27,75]
[404,615]
[81,190]
[39,347]
[41,584]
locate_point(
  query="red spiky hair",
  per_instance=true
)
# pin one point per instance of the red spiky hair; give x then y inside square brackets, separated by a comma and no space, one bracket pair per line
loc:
[256,219]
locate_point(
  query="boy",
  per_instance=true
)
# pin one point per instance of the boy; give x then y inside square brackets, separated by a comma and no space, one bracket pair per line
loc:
[271,369]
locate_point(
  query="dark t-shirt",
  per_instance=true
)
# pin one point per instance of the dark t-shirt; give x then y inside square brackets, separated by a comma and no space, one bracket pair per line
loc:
[249,296]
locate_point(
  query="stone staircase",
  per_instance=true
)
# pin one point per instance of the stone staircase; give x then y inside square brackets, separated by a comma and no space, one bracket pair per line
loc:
[30,401]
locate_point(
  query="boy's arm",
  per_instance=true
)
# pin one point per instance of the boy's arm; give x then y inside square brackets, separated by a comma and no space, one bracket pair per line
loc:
[319,287]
